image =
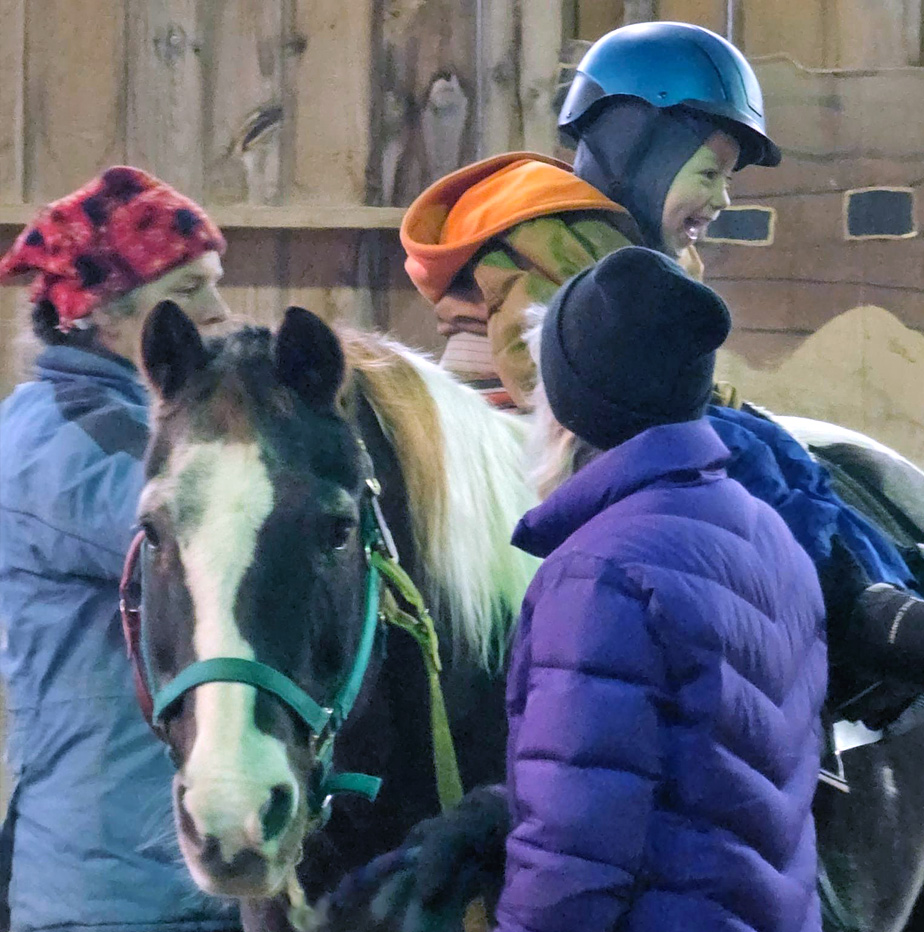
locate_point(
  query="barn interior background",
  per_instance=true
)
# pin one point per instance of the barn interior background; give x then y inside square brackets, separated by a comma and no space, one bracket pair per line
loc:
[304,127]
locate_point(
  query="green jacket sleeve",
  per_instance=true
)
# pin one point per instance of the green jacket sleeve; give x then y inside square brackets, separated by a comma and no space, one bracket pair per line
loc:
[526,266]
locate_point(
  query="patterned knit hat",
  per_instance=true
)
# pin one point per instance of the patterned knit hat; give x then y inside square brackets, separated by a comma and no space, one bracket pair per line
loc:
[119,231]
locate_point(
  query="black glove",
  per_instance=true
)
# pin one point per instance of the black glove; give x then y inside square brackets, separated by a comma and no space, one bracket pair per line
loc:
[462,852]
[427,883]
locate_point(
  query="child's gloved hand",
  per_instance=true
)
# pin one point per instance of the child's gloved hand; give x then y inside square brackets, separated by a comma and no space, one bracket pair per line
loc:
[427,884]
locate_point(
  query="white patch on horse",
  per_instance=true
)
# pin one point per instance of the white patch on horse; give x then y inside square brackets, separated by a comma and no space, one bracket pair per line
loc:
[473,561]
[233,766]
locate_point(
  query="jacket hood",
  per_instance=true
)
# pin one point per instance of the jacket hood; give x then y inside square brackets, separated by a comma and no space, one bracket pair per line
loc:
[453,218]
[691,446]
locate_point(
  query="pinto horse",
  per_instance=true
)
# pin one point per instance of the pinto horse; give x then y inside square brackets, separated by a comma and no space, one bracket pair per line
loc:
[263,453]
[252,511]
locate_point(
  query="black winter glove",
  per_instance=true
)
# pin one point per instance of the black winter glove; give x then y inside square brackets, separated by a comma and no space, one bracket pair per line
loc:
[427,883]
[462,852]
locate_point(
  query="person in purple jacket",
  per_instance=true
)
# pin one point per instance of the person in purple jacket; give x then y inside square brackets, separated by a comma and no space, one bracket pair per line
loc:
[670,661]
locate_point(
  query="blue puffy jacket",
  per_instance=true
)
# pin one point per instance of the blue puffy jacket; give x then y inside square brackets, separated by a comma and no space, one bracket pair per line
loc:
[664,700]
[93,839]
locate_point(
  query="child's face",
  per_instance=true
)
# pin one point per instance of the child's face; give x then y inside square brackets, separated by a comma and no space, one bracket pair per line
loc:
[698,193]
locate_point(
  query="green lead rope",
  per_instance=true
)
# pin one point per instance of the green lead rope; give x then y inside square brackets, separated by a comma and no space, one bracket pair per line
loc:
[419,624]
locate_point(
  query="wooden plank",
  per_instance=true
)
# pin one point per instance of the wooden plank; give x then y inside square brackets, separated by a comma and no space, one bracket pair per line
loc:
[870,35]
[328,93]
[12,73]
[74,93]
[165,91]
[791,27]
[641,11]
[242,60]
[787,306]
[595,18]
[708,13]
[256,269]
[296,217]
[424,111]
[540,40]
[321,275]
[521,42]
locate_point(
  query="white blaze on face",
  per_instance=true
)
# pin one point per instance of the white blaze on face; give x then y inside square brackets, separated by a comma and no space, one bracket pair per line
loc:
[232,767]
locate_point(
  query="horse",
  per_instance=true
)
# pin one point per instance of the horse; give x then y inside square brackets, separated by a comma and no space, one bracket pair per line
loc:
[267,454]
[257,478]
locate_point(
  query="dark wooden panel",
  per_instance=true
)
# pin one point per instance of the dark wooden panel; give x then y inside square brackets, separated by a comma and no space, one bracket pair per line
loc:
[802,307]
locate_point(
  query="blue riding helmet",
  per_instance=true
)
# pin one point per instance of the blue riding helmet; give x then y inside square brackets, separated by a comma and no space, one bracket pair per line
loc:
[674,64]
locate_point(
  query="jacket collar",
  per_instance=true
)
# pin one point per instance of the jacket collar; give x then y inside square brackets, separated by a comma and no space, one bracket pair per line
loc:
[66,363]
[651,456]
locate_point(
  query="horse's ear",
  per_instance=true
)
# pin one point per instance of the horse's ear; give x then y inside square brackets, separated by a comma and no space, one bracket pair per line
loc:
[171,349]
[308,358]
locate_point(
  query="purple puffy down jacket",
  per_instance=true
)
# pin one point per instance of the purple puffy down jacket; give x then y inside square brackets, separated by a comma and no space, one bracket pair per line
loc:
[664,701]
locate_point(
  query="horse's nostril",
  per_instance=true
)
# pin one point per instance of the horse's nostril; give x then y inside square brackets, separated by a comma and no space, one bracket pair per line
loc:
[210,850]
[276,811]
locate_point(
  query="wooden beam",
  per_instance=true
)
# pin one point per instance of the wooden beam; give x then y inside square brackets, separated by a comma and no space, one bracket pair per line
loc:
[245,216]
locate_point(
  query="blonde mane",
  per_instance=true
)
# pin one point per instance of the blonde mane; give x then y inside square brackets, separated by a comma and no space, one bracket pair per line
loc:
[463,466]
[551,447]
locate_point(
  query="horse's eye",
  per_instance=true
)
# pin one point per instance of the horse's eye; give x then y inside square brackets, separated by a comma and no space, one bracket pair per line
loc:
[340,533]
[151,537]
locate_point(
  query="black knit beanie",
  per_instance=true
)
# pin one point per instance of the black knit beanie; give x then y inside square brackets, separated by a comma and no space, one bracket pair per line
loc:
[630,343]
[632,152]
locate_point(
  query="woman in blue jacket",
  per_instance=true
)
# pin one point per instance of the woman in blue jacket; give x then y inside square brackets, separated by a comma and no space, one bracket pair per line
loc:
[89,834]
[670,665]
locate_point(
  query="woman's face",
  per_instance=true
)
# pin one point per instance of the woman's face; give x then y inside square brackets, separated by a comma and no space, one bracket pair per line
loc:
[194,287]
[698,193]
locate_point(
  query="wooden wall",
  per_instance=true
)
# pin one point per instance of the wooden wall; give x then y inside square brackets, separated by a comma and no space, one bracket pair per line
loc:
[304,130]
[301,125]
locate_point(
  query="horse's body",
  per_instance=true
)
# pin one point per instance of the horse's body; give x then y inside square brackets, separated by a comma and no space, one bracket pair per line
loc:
[452,488]
[259,449]
[871,841]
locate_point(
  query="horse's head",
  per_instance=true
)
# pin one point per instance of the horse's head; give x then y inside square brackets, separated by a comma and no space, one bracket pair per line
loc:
[251,511]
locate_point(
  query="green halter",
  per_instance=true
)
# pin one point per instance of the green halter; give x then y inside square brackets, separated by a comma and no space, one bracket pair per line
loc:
[325,721]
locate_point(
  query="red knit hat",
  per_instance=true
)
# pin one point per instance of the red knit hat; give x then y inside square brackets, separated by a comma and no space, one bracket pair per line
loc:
[119,231]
